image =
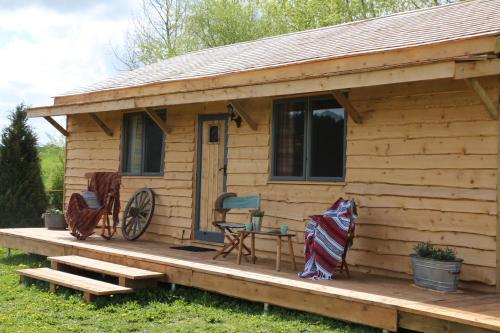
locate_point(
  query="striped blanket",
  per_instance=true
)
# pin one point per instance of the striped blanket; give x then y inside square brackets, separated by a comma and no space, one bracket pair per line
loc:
[326,237]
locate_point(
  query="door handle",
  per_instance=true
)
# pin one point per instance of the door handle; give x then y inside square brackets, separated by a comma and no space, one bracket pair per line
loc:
[224,168]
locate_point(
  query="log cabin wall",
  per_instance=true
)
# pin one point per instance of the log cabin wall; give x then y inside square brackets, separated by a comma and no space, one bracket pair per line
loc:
[422,167]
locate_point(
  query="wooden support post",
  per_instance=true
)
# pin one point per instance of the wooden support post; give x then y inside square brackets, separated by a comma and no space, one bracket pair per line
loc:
[266,309]
[87,297]
[498,210]
[122,281]
[346,104]
[243,113]
[172,287]
[56,125]
[52,287]
[101,124]
[483,96]
[290,252]
[278,253]
[7,252]
[158,121]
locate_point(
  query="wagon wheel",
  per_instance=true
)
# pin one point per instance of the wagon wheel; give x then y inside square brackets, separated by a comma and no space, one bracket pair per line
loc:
[138,213]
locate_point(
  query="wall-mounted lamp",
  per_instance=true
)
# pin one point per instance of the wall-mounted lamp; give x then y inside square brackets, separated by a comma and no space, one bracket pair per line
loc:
[233,115]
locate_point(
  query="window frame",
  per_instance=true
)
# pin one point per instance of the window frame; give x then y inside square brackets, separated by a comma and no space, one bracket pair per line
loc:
[307,100]
[143,147]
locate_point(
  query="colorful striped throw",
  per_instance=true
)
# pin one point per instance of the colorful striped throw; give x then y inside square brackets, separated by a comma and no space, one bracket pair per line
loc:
[326,238]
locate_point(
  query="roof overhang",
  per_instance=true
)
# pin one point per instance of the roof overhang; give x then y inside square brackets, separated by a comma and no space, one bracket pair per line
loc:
[458,59]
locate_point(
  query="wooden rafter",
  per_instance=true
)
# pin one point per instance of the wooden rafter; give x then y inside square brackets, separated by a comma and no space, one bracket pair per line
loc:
[158,121]
[243,113]
[486,67]
[101,124]
[483,96]
[341,97]
[56,125]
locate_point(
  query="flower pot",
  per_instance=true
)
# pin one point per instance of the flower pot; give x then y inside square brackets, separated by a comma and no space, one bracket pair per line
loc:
[55,221]
[257,222]
[436,274]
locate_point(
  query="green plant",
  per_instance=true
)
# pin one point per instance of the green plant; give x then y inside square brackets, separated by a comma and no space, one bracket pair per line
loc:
[54,211]
[22,194]
[257,213]
[427,250]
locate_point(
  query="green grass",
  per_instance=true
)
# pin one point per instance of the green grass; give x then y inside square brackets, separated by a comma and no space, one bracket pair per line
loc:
[31,308]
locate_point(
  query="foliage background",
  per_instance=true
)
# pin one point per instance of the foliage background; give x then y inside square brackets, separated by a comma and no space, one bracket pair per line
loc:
[166,28]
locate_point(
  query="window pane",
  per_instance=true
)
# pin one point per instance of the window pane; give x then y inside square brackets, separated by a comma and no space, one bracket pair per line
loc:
[327,139]
[153,147]
[132,150]
[289,136]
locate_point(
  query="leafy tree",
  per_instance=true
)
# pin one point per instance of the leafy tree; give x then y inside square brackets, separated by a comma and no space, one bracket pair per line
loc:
[22,194]
[165,28]
[214,23]
[157,33]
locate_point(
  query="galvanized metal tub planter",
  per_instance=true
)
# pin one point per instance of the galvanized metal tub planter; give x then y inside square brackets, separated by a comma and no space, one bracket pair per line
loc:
[55,221]
[441,275]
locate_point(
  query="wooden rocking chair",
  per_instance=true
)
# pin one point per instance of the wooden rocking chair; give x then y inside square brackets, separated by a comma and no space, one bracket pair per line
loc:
[82,219]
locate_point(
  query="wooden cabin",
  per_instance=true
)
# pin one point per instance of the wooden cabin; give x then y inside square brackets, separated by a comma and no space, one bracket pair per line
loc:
[398,112]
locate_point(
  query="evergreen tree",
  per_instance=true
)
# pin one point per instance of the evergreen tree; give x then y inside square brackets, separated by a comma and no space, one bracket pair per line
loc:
[22,194]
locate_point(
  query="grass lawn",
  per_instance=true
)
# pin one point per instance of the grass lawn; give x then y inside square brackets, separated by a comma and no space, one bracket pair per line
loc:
[33,308]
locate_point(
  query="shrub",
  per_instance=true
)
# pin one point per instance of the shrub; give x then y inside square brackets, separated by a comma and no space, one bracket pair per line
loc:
[22,193]
[427,250]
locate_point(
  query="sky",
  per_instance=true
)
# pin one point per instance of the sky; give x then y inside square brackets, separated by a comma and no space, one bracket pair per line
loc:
[48,47]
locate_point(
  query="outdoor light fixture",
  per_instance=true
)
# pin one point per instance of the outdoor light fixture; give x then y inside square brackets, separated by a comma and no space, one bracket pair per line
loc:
[233,115]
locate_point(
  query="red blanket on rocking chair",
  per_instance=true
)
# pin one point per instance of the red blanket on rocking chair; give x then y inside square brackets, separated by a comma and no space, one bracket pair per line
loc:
[82,220]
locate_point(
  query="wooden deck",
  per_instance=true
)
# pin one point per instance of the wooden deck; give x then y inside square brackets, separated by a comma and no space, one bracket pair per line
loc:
[381,302]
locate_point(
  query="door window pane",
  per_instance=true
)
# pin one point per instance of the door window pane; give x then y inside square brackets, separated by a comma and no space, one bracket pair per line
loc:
[289,136]
[327,139]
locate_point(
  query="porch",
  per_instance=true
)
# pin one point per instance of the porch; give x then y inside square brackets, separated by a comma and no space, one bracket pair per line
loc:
[376,301]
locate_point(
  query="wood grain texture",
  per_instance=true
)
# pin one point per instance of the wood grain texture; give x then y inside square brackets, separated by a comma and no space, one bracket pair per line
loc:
[422,166]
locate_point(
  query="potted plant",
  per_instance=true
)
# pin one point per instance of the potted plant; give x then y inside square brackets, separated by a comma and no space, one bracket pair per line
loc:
[257,216]
[435,268]
[54,219]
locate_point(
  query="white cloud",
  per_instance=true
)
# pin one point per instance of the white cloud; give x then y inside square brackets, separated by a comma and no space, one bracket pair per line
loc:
[45,51]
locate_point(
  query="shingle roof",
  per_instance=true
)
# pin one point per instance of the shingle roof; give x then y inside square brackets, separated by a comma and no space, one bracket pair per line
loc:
[420,27]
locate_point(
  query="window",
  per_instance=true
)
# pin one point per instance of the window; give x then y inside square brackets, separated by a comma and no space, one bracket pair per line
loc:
[308,139]
[142,146]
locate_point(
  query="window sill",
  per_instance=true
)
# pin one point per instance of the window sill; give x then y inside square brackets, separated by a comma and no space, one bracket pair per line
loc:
[308,182]
[142,176]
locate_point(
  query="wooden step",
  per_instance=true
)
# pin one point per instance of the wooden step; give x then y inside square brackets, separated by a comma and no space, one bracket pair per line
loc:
[88,286]
[127,276]
[107,268]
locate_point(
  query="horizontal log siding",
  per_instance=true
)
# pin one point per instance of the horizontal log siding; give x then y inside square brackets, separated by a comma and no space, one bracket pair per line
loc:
[422,167]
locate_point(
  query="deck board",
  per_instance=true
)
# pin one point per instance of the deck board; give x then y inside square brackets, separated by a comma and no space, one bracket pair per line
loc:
[373,300]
